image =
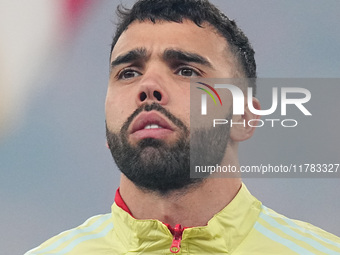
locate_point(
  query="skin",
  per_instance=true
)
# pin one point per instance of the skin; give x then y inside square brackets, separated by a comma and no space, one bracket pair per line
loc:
[171,78]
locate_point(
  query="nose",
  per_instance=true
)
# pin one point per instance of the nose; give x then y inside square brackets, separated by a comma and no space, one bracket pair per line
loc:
[153,95]
[152,88]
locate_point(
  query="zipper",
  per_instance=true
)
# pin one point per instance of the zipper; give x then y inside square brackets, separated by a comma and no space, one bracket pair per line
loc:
[176,242]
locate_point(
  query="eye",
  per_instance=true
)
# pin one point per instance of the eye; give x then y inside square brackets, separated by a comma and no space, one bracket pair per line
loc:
[187,72]
[128,74]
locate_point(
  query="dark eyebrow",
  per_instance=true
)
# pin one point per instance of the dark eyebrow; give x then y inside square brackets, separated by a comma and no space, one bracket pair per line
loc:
[179,55]
[131,56]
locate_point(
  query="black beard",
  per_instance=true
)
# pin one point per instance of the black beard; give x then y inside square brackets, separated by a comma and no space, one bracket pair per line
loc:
[153,165]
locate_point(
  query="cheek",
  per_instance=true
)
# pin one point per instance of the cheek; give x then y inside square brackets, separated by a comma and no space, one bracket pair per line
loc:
[117,110]
[181,108]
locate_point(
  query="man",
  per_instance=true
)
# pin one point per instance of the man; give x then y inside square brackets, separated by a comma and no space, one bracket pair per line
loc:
[158,47]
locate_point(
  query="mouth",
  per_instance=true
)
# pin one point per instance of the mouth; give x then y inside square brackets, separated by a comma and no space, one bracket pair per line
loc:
[150,125]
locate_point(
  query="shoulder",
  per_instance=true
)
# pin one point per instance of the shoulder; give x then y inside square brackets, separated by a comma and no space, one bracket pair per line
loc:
[301,237]
[79,239]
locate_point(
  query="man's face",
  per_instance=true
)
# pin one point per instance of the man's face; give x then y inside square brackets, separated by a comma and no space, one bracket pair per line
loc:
[148,97]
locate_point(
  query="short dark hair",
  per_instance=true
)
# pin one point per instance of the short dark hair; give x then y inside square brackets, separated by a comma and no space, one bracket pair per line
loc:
[198,11]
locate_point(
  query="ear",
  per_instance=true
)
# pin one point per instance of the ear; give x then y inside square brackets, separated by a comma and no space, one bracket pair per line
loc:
[240,129]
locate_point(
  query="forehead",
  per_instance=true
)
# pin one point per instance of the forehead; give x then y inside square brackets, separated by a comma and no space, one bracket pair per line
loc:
[187,36]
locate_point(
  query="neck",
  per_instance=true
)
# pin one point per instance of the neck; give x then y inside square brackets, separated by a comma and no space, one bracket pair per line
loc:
[194,207]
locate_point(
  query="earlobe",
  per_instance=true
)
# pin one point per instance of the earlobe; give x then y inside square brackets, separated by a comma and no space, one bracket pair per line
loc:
[243,126]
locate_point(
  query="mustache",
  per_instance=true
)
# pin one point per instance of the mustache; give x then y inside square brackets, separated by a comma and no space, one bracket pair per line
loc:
[154,107]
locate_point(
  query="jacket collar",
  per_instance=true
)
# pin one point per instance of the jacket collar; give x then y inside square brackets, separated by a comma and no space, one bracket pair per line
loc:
[223,233]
